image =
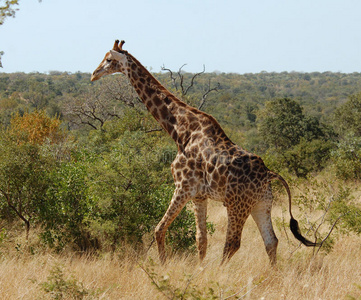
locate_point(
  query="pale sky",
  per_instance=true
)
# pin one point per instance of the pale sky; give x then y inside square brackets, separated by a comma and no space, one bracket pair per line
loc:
[225,35]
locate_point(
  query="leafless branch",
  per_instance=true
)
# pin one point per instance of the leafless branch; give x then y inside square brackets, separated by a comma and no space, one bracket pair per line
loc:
[173,79]
[208,90]
[185,89]
[181,77]
[322,221]
[329,233]
[153,130]
[192,81]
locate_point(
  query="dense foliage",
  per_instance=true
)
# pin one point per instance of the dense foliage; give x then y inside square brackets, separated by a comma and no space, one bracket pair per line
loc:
[87,165]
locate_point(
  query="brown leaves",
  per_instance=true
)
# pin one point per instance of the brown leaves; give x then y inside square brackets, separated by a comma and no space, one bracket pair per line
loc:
[36,128]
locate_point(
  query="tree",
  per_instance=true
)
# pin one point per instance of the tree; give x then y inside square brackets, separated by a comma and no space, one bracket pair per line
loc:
[100,104]
[281,123]
[348,116]
[133,186]
[68,207]
[23,178]
[308,156]
[347,156]
[35,128]
[24,166]
[184,89]
[8,10]
[299,140]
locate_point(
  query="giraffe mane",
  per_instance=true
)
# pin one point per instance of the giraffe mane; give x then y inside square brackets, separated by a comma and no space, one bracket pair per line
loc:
[160,86]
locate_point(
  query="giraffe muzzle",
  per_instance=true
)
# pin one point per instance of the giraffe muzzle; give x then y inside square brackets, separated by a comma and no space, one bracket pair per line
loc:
[94,77]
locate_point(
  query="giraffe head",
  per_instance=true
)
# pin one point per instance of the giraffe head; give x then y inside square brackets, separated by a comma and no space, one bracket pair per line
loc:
[114,61]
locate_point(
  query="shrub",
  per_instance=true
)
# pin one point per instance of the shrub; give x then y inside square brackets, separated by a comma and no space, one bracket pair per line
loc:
[57,287]
[347,157]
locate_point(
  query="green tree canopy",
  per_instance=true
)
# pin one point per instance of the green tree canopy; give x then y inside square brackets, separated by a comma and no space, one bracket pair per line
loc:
[7,9]
[298,138]
[348,116]
[282,123]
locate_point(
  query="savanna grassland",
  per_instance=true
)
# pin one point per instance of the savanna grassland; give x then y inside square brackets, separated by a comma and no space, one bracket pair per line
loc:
[130,275]
[85,178]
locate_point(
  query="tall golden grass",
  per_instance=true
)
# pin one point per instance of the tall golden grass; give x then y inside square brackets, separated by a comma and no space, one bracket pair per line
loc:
[298,275]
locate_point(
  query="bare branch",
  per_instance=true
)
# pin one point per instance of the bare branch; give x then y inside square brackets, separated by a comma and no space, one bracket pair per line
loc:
[329,233]
[321,222]
[153,130]
[96,106]
[209,90]
[181,76]
[173,79]
[186,89]
[192,80]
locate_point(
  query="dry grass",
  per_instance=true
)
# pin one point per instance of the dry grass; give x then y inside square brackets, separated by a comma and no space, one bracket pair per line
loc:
[247,276]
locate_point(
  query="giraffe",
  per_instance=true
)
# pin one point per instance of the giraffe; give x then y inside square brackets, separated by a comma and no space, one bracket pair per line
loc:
[208,164]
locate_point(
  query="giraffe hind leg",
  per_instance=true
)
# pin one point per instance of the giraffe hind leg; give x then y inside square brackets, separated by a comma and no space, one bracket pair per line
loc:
[261,214]
[234,233]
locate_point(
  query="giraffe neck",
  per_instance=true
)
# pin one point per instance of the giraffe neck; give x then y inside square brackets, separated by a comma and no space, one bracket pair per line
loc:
[176,117]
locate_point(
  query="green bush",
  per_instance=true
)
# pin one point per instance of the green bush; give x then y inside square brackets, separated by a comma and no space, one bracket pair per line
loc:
[133,187]
[336,209]
[307,156]
[57,287]
[347,157]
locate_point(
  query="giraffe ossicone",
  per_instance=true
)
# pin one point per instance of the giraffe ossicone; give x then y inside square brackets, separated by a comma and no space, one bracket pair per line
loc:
[208,164]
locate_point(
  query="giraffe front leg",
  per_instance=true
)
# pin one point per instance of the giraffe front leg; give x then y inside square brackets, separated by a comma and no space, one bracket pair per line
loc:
[175,207]
[200,210]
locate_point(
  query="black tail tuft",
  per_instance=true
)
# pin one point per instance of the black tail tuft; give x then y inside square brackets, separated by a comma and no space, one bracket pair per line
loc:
[297,233]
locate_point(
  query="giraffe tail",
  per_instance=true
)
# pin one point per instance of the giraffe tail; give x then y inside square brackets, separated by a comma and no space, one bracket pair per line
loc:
[295,229]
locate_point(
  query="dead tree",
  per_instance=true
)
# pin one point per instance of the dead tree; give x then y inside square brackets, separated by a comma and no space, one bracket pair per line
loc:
[97,106]
[178,83]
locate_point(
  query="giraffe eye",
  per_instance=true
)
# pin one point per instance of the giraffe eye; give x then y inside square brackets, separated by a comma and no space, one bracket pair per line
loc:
[109,60]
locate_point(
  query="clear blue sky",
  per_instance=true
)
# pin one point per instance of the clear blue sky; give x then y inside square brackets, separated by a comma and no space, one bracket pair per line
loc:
[225,35]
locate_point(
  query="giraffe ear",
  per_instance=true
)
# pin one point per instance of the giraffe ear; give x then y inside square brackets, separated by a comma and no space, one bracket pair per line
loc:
[116,55]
